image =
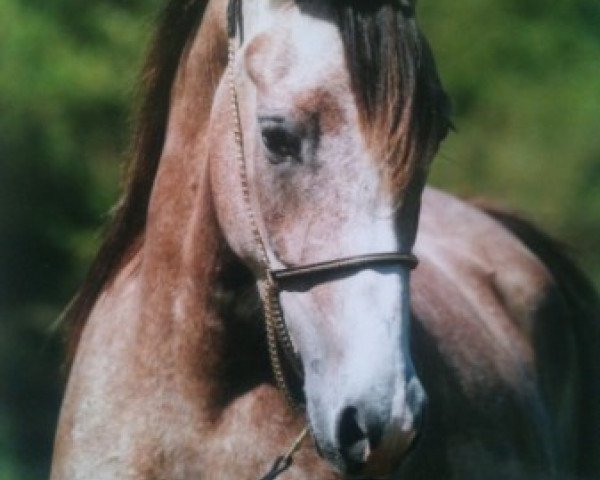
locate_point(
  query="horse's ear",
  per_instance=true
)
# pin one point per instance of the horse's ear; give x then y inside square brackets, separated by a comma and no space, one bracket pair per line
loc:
[235,21]
[231,19]
[408,7]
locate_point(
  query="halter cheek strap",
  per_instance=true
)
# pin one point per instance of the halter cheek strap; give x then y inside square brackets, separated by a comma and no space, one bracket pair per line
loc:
[277,334]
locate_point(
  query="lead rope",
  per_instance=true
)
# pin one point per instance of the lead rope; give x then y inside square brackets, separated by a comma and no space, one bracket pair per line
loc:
[285,461]
[274,325]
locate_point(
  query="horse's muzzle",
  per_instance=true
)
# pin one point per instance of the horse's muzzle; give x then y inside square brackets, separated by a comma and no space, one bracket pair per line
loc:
[372,447]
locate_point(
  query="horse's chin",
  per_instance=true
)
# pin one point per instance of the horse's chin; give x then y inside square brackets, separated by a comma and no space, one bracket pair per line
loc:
[384,462]
[381,464]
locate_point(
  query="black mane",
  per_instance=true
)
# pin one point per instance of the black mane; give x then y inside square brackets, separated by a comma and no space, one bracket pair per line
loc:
[403,105]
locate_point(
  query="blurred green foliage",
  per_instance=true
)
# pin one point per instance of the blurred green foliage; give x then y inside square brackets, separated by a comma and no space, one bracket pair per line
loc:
[67,71]
[524,76]
[525,79]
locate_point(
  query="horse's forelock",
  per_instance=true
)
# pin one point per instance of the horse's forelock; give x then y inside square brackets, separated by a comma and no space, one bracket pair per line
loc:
[403,107]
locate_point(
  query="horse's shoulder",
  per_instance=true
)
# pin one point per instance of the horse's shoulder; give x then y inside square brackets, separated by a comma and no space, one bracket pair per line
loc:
[490,315]
[478,291]
[472,249]
[106,336]
[119,296]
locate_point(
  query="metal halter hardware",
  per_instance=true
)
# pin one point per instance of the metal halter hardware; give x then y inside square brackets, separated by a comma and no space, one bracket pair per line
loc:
[295,278]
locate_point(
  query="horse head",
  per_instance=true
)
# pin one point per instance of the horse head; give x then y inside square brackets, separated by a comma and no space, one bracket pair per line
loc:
[332,111]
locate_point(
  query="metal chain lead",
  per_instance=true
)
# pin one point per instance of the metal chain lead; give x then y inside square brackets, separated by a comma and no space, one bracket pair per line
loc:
[283,335]
[240,158]
[273,317]
[272,313]
[284,462]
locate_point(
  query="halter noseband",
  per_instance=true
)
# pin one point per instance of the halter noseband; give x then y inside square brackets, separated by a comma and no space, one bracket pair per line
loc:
[286,277]
[297,278]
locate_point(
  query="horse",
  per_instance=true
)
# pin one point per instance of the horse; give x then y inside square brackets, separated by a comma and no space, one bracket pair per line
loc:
[259,274]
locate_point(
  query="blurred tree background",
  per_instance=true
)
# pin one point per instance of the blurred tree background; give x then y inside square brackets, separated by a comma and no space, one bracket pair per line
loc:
[524,76]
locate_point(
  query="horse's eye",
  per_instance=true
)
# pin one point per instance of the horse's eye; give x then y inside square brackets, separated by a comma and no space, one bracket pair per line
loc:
[282,141]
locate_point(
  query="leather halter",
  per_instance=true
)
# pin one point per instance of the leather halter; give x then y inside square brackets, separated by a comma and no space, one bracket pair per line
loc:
[286,278]
[297,278]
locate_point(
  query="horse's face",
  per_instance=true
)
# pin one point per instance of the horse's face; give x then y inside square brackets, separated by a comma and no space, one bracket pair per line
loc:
[319,193]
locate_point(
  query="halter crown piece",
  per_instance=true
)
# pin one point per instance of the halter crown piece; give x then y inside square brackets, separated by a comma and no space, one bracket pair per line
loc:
[288,279]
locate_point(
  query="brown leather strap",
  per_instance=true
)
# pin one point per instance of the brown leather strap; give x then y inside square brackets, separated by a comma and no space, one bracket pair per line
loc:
[283,277]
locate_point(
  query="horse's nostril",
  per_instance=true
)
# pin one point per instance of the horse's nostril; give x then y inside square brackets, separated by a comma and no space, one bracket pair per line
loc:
[350,431]
[362,447]
[375,433]
[353,438]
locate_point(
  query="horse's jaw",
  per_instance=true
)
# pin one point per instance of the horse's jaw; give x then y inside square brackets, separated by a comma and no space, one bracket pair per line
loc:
[364,401]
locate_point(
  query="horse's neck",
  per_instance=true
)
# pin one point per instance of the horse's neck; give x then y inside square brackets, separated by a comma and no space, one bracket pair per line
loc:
[181,326]
[161,383]
[149,357]
[184,159]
